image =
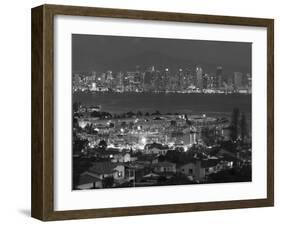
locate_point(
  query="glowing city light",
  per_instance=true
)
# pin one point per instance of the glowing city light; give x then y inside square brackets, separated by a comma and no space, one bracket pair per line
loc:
[143,140]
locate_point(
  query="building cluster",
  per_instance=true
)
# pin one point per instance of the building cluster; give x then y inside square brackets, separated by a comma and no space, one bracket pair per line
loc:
[154,80]
[135,132]
[132,151]
[115,168]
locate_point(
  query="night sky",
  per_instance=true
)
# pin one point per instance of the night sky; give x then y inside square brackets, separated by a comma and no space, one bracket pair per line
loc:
[118,53]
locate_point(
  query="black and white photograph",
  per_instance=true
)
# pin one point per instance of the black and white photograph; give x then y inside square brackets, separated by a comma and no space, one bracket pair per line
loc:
[159,112]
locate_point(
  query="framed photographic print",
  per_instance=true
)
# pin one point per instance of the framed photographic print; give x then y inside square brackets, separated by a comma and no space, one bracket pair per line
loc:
[141,112]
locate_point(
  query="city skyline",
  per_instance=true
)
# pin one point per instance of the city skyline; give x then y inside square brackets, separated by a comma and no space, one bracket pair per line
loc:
[152,79]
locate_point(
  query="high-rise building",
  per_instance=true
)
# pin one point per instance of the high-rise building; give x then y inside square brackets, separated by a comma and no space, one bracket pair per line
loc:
[138,74]
[174,82]
[166,79]
[158,81]
[119,82]
[185,79]
[108,79]
[249,82]
[138,79]
[238,80]
[148,78]
[103,78]
[180,80]
[218,81]
[190,78]
[230,80]
[199,77]
[211,81]
[205,81]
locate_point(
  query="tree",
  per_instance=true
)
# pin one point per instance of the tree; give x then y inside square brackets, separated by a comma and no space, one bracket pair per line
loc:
[95,114]
[89,128]
[156,113]
[130,114]
[232,175]
[139,114]
[75,123]
[243,127]
[102,145]
[234,124]
[177,156]
[188,122]
[78,144]
[75,106]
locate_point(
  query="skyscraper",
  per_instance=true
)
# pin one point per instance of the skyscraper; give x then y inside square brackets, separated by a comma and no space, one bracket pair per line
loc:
[205,82]
[180,80]
[190,77]
[148,79]
[166,79]
[119,82]
[218,81]
[249,82]
[211,81]
[199,77]
[237,80]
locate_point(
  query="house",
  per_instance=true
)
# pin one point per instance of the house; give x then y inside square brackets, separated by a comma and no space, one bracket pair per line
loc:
[228,158]
[102,170]
[198,170]
[121,157]
[133,158]
[148,159]
[156,148]
[87,181]
[210,166]
[130,173]
[192,170]
[164,167]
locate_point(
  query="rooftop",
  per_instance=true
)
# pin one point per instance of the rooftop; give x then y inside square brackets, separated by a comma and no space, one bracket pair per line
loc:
[164,164]
[103,167]
[156,145]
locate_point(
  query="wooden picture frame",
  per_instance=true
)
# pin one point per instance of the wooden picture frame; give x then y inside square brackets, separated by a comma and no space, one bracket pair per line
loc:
[42,204]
